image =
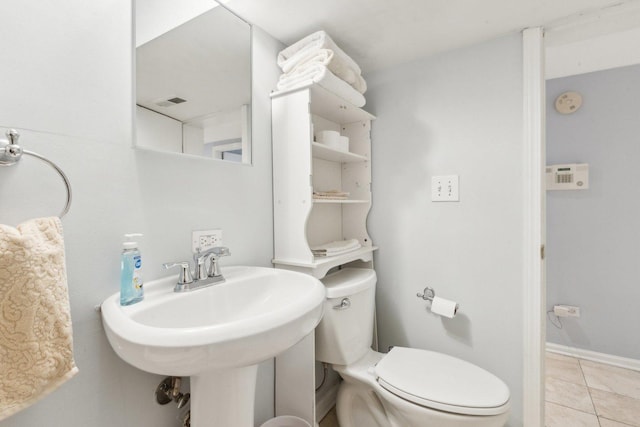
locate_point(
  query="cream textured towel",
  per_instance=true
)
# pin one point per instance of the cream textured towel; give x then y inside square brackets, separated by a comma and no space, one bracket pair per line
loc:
[36,347]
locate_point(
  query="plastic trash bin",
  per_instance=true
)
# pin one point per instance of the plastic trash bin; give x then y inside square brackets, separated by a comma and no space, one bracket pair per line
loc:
[286,421]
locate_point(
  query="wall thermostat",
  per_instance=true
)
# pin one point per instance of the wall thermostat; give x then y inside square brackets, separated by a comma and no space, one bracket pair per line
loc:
[574,176]
[568,102]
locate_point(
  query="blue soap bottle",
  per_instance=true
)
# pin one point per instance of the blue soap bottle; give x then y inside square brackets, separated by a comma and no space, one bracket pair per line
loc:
[131,290]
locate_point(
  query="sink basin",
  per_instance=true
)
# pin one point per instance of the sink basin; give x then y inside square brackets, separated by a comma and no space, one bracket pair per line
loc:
[217,334]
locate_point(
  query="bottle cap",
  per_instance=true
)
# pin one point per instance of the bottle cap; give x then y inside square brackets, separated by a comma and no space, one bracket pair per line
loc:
[128,243]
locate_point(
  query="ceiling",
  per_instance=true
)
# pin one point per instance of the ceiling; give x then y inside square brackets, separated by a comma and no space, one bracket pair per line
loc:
[205,61]
[382,33]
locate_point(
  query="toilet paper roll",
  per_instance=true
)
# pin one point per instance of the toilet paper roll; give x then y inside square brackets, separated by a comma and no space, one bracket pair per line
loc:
[444,307]
[343,144]
[328,137]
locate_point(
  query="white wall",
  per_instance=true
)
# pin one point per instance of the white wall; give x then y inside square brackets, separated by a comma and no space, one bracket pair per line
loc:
[592,243]
[156,17]
[603,52]
[455,113]
[67,88]
[157,131]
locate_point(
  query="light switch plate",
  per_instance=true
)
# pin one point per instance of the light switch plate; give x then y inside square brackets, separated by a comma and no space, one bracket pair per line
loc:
[445,188]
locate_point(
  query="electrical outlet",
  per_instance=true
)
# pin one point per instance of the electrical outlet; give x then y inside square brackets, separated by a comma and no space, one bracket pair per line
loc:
[445,188]
[566,310]
[203,240]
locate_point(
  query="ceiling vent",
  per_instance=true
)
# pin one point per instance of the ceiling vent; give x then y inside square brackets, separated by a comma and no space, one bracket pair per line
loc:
[170,102]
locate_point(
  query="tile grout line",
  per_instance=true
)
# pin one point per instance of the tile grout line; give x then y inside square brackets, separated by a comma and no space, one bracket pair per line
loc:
[585,384]
[589,391]
[608,391]
[573,409]
[619,422]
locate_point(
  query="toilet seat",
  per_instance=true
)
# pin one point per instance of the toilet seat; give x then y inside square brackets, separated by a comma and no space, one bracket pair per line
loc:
[442,382]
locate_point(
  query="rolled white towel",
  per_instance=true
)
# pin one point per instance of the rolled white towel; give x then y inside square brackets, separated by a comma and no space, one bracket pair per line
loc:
[329,59]
[310,47]
[322,76]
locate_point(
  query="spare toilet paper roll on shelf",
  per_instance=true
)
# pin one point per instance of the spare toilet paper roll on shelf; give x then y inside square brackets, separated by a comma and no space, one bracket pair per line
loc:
[333,139]
[440,306]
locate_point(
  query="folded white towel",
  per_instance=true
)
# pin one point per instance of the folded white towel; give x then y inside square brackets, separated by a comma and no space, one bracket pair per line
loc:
[36,348]
[319,47]
[337,247]
[310,57]
[319,74]
[328,254]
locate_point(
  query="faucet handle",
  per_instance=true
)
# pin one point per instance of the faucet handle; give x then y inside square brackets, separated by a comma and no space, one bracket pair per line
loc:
[185,271]
[217,252]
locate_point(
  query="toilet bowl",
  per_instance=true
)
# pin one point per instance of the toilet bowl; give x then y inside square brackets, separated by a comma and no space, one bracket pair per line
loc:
[405,387]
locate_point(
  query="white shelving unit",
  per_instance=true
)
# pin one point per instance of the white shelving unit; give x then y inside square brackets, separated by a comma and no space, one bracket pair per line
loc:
[321,151]
[301,166]
[339,201]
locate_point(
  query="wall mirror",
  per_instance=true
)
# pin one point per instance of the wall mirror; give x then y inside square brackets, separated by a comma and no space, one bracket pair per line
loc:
[193,79]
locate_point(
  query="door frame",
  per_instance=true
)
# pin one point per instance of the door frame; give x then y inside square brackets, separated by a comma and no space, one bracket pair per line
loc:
[533,163]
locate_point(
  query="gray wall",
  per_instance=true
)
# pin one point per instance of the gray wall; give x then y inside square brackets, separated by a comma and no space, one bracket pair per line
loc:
[593,248]
[67,88]
[456,113]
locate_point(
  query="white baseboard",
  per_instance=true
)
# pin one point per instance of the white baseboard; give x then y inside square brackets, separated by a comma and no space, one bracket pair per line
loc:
[594,356]
[325,400]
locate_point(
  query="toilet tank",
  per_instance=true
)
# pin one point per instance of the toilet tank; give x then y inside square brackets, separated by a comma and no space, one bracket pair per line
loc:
[345,333]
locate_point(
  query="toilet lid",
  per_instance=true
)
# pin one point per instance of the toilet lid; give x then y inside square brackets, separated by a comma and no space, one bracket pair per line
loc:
[442,382]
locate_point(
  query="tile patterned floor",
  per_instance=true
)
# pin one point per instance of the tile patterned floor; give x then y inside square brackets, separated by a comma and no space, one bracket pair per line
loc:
[580,393]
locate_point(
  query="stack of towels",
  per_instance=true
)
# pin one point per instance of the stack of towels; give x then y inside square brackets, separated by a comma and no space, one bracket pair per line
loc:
[317,59]
[339,247]
[330,195]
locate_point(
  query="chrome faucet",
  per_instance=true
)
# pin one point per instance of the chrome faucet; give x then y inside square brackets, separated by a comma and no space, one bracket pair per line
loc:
[199,259]
[203,276]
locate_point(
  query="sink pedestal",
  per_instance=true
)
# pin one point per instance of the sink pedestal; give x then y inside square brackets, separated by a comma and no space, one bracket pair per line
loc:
[216,335]
[224,398]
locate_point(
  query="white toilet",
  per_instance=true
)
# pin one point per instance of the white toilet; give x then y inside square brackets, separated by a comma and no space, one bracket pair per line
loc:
[405,387]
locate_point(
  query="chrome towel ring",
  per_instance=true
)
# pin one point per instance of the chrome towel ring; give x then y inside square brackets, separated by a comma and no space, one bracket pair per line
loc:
[11,153]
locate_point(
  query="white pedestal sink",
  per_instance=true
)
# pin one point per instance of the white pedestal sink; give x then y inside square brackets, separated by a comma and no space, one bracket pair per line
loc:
[216,335]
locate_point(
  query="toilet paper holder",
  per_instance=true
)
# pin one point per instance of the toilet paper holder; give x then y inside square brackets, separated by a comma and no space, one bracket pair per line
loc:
[439,306]
[428,294]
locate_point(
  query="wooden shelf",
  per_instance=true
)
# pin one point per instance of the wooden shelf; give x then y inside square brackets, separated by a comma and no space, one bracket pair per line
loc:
[321,151]
[341,201]
[321,265]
